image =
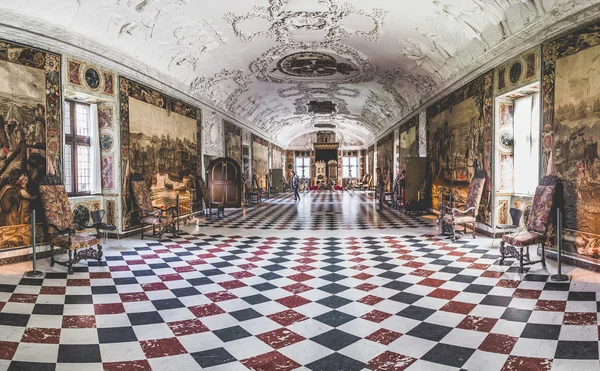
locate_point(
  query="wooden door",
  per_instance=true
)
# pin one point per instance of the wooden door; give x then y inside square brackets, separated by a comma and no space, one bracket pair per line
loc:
[224,182]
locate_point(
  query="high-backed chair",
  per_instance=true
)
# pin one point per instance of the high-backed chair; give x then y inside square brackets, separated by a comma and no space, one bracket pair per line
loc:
[161,220]
[517,244]
[468,214]
[61,228]
[515,215]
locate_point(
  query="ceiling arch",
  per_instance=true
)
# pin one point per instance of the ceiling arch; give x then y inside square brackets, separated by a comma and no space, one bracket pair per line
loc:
[291,67]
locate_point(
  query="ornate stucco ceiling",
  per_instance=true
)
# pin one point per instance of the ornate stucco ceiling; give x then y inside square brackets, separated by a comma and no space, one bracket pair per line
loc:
[267,61]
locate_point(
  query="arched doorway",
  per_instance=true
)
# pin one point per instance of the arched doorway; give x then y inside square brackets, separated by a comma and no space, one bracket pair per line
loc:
[224,175]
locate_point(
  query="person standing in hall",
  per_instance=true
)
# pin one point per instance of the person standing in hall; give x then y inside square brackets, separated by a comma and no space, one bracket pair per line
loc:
[380,188]
[295,186]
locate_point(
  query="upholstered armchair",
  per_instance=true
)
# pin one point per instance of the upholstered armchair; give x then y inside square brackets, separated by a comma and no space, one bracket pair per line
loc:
[517,244]
[161,220]
[453,217]
[61,228]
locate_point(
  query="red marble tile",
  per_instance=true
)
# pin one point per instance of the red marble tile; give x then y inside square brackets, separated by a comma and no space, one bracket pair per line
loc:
[492,274]
[357,260]
[580,319]
[293,301]
[455,253]
[8,349]
[150,256]
[443,294]
[229,285]
[100,275]
[305,260]
[303,268]
[187,327]
[162,251]
[516,363]
[141,365]
[220,296]
[154,286]
[53,290]
[479,266]
[414,264]
[162,347]
[422,273]
[551,305]
[297,288]
[254,259]
[465,259]
[301,277]
[362,276]
[481,324]
[498,343]
[113,308]
[366,287]
[170,277]
[384,336]
[407,257]
[272,361]
[79,322]
[360,267]
[370,300]
[527,294]
[458,307]
[508,284]
[41,335]
[376,316]
[23,298]
[184,269]
[2,305]
[241,274]
[390,361]
[206,310]
[280,338]
[119,268]
[196,262]
[287,317]
[135,262]
[78,282]
[133,297]
[247,266]
[432,282]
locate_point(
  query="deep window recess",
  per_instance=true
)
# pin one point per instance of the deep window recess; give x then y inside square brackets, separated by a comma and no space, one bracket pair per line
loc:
[303,167]
[77,151]
[527,144]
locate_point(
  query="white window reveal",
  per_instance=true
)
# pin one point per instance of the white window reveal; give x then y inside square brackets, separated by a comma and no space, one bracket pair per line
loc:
[527,144]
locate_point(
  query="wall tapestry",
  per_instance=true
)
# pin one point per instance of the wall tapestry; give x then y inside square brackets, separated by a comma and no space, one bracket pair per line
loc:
[385,157]
[233,142]
[29,134]
[460,134]
[571,114]
[277,157]
[409,144]
[371,160]
[160,140]
[260,160]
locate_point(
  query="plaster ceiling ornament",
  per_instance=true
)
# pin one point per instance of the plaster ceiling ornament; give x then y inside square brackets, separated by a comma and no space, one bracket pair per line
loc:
[313,62]
[284,23]
[223,88]
[303,106]
[212,132]
[378,109]
[332,90]
[141,16]
[194,40]
[412,87]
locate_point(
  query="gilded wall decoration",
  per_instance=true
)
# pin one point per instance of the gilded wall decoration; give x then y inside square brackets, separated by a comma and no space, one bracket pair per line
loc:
[233,142]
[571,118]
[260,160]
[460,131]
[385,157]
[160,141]
[73,72]
[89,78]
[109,83]
[518,72]
[285,23]
[212,135]
[30,127]
[108,181]
[106,142]
[105,117]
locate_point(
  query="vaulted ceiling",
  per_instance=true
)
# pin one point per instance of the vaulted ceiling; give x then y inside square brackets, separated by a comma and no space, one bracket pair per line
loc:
[290,67]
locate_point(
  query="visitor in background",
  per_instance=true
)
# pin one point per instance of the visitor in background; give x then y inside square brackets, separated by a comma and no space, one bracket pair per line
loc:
[295,186]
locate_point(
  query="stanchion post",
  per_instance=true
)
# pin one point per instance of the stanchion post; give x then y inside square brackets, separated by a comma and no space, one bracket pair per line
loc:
[34,272]
[178,207]
[559,277]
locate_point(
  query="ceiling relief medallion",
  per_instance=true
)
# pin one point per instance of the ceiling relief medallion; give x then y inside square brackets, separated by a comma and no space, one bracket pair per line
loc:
[313,62]
[284,23]
[195,40]
[141,16]
[331,90]
[223,88]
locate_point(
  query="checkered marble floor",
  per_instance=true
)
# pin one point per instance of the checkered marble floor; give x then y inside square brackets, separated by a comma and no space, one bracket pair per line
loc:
[318,211]
[228,302]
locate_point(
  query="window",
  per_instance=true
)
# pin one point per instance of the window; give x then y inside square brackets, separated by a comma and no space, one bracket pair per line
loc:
[78,153]
[526,144]
[349,167]
[303,167]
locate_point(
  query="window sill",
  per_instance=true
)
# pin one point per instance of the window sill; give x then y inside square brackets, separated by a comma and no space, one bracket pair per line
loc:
[95,195]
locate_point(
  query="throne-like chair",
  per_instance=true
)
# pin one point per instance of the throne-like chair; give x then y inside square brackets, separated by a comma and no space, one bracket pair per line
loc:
[161,220]
[453,217]
[517,244]
[61,228]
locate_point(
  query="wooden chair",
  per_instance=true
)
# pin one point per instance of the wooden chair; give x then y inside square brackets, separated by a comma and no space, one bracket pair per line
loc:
[61,228]
[161,220]
[454,217]
[517,244]
[515,215]
[261,192]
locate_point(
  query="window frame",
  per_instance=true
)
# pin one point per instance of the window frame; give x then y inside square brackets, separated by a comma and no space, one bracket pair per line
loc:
[355,167]
[535,126]
[73,139]
[302,174]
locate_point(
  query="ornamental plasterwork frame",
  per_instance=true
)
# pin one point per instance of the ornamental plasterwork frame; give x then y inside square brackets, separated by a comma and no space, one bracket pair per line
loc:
[284,23]
[332,90]
[341,107]
[135,15]
[195,39]
[261,67]
[408,97]
[207,86]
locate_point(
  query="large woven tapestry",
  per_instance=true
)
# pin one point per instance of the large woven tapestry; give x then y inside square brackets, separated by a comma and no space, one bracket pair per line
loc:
[385,157]
[233,142]
[260,160]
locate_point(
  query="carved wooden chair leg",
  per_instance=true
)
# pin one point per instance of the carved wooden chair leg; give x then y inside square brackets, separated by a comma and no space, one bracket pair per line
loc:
[100,254]
[473,230]
[142,234]
[543,255]
[70,263]
[502,253]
